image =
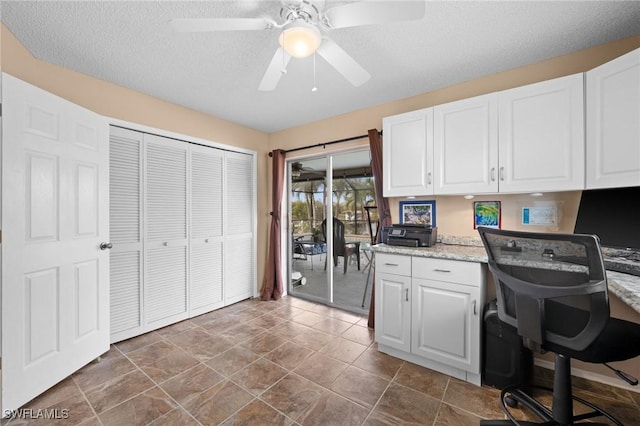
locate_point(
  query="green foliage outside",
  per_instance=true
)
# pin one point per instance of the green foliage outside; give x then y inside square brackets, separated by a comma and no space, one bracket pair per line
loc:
[350,195]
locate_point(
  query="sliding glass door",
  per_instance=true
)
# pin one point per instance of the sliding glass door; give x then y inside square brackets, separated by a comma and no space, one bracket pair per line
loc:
[329,260]
[307,211]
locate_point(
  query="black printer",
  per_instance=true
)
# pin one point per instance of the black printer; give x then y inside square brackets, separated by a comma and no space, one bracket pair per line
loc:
[409,235]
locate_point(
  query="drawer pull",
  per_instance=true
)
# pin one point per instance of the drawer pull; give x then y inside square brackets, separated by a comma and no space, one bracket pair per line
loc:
[406,294]
[391,264]
[442,270]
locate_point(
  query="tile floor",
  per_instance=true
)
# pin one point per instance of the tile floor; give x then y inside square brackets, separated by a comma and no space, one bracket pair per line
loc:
[287,362]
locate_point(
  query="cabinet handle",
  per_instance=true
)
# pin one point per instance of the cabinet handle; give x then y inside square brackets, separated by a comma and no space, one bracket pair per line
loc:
[493,174]
[501,173]
[442,270]
[391,264]
[429,178]
[475,309]
[406,294]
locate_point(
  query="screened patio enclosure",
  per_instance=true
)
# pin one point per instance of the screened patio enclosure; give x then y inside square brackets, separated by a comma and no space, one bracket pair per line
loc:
[314,274]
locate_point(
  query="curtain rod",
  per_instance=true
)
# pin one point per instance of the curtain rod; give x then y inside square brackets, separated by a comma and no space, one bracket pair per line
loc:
[324,144]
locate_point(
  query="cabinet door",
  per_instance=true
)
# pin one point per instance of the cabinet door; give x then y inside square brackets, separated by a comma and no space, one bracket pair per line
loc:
[541,136]
[408,154]
[393,311]
[445,323]
[613,123]
[466,146]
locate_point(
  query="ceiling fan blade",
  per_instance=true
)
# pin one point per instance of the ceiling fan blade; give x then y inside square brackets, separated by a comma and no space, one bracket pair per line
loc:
[343,62]
[276,68]
[214,24]
[373,12]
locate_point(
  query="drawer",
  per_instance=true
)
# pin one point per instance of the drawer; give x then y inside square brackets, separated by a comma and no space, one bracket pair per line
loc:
[393,264]
[453,271]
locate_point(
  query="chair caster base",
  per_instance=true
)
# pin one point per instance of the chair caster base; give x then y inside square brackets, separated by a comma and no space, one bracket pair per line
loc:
[511,401]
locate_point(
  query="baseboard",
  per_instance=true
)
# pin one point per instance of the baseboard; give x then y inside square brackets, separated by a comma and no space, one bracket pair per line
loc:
[589,375]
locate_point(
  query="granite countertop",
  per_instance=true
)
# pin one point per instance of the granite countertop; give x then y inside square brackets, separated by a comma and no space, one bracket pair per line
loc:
[625,286]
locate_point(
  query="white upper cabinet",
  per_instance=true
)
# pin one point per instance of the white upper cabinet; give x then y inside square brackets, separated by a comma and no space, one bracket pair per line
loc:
[526,139]
[408,154]
[541,136]
[613,123]
[466,146]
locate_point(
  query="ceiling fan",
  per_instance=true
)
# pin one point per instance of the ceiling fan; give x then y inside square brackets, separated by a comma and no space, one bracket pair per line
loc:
[301,25]
[297,169]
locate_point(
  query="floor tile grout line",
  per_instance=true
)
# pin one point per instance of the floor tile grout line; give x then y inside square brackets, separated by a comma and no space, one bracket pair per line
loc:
[139,393]
[313,352]
[444,392]
[95,414]
[158,385]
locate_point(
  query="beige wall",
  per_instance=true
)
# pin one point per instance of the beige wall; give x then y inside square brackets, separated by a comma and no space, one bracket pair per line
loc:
[454,214]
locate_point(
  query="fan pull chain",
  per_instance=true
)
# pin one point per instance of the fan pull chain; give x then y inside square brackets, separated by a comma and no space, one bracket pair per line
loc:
[284,66]
[314,88]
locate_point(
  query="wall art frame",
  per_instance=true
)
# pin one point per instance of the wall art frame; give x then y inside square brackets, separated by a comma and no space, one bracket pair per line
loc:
[418,212]
[487,213]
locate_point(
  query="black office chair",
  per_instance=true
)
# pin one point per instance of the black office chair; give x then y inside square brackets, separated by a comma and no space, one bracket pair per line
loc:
[341,248]
[553,289]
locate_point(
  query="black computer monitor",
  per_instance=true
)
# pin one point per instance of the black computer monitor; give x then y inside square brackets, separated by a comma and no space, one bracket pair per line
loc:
[613,215]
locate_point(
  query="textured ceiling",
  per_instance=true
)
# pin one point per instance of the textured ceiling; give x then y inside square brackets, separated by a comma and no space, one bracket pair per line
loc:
[131,44]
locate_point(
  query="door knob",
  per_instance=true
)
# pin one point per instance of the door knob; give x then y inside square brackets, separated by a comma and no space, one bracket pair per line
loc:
[105,246]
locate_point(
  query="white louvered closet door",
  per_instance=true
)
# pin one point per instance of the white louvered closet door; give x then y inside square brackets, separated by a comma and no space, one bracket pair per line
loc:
[206,272]
[239,251]
[126,233]
[165,283]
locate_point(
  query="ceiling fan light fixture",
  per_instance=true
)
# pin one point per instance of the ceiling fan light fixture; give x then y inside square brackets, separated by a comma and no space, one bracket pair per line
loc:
[300,39]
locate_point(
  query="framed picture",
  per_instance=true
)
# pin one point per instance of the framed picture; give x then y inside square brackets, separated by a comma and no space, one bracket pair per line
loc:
[487,213]
[418,212]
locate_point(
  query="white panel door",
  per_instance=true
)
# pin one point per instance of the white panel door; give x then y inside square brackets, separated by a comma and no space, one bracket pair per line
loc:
[55,215]
[239,246]
[466,146]
[613,123]
[125,152]
[165,263]
[206,289]
[541,136]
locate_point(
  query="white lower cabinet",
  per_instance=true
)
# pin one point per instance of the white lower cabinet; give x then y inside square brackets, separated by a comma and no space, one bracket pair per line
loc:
[393,310]
[428,311]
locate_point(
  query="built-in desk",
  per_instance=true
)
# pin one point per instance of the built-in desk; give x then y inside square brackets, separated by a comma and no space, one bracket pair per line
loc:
[624,286]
